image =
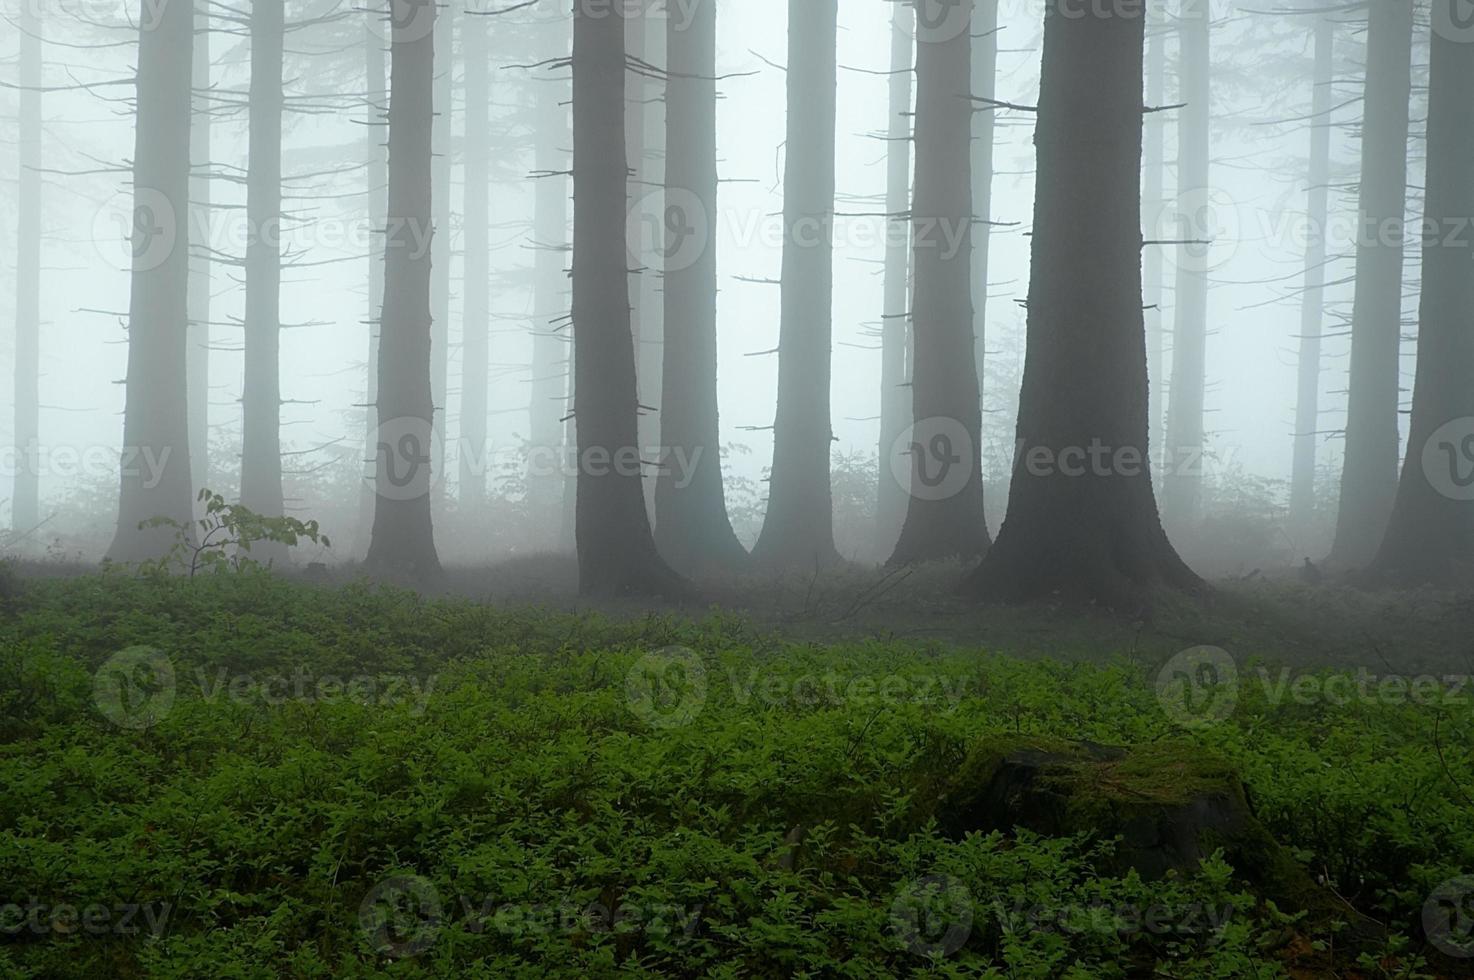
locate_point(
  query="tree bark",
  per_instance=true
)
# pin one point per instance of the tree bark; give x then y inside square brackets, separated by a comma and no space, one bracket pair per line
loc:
[440,297]
[798,529]
[1154,203]
[692,528]
[616,550]
[25,503]
[1082,521]
[200,262]
[403,542]
[1430,537]
[155,472]
[645,43]
[476,318]
[376,95]
[944,517]
[261,489]
[1312,301]
[895,403]
[1369,469]
[984,126]
[1182,487]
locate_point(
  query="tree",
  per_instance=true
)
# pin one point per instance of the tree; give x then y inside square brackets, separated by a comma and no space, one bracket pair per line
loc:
[984,124]
[261,470]
[895,405]
[692,528]
[644,51]
[1082,518]
[1369,468]
[1312,300]
[1431,530]
[197,362]
[1154,203]
[616,550]
[25,504]
[944,518]
[441,250]
[476,318]
[798,529]
[1182,487]
[403,540]
[155,472]
[376,174]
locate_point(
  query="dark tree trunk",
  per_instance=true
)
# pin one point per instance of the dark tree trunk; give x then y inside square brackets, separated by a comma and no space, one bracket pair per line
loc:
[798,529]
[200,261]
[944,518]
[376,172]
[1182,487]
[441,181]
[25,504]
[475,322]
[1076,528]
[155,477]
[1312,301]
[1369,469]
[551,364]
[403,542]
[691,527]
[895,401]
[261,489]
[1430,537]
[1154,203]
[616,551]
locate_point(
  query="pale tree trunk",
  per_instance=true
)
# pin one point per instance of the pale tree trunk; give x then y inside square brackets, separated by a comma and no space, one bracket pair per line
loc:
[1430,537]
[1312,301]
[692,528]
[476,318]
[1182,487]
[798,529]
[261,489]
[1369,468]
[644,130]
[1154,202]
[155,472]
[403,541]
[440,298]
[895,401]
[1082,523]
[376,174]
[200,260]
[25,504]
[984,125]
[944,517]
[616,550]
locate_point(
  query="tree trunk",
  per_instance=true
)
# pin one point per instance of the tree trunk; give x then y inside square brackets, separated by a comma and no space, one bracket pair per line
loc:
[1430,537]
[1154,203]
[895,403]
[1369,469]
[476,317]
[944,518]
[155,472]
[1082,519]
[643,131]
[1182,487]
[261,489]
[25,504]
[616,551]
[444,154]
[692,528]
[798,529]
[200,261]
[984,125]
[403,542]
[1307,399]
[376,95]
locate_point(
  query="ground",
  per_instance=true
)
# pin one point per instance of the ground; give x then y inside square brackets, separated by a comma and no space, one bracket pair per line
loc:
[247,775]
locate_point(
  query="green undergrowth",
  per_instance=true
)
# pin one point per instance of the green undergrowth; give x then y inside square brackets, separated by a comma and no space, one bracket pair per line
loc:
[286,781]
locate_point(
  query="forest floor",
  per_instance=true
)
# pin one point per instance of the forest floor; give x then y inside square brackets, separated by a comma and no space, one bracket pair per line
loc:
[246,775]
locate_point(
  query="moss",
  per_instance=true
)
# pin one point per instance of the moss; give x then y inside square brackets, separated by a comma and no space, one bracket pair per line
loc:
[1160,774]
